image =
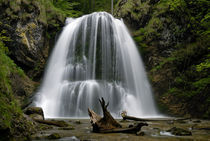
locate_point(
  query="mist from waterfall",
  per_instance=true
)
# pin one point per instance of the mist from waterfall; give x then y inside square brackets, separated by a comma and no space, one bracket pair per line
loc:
[95,57]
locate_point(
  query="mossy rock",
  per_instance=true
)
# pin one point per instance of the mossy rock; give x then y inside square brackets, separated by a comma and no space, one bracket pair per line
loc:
[54,136]
[45,127]
[36,116]
[34,111]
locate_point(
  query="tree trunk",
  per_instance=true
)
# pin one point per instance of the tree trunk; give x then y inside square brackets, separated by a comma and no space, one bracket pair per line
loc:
[112,7]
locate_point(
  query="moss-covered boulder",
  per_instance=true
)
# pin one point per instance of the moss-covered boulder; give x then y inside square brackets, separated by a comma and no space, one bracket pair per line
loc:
[35,112]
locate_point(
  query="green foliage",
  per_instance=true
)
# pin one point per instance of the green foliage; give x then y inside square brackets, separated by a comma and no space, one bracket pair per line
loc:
[202,83]
[9,107]
[89,6]
[176,5]
[6,108]
[203,65]
[4,38]
[67,7]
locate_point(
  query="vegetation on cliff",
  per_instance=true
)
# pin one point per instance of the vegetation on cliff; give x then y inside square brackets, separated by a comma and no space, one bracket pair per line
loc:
[173,36]
[13,87]
[89,6]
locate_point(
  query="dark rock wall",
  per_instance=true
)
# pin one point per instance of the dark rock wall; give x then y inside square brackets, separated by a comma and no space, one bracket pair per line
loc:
[31,31]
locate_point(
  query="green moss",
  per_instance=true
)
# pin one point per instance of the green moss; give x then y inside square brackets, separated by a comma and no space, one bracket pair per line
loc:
[202,83]
[51,9]
[6,66]
[11,114]
[15,5]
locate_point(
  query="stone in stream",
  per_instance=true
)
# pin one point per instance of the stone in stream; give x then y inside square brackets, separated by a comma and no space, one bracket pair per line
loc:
[78,122]
[54,136]
[179,132]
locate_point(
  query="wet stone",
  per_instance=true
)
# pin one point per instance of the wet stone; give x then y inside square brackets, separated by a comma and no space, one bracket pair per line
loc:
[78,122]
[54,136]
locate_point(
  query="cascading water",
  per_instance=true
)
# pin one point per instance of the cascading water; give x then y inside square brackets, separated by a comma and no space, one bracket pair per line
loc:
[95,57]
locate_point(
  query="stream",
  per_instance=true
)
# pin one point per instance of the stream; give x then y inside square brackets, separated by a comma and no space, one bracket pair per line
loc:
[81,129]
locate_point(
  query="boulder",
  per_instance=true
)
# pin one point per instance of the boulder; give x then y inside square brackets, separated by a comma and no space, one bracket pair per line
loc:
[54,136]
[35,113]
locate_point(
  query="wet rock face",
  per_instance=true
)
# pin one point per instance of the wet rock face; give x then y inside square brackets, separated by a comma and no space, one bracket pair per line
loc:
[25,23]
[27,34]
[30,42]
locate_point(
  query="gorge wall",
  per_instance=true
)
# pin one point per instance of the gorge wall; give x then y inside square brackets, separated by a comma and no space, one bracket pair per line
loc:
[174,40]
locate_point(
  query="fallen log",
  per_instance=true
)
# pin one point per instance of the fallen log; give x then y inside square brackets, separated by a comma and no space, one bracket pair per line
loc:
[107,124]
[126,117]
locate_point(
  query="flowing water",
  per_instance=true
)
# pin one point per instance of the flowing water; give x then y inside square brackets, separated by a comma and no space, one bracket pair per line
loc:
[95,57]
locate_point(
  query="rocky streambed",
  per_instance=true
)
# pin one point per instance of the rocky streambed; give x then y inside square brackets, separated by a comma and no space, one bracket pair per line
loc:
[170,130]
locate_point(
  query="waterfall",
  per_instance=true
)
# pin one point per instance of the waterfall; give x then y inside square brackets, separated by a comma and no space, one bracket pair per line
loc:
[95,57]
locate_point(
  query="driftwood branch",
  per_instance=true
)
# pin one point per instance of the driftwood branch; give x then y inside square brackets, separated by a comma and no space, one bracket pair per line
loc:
[107,124]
